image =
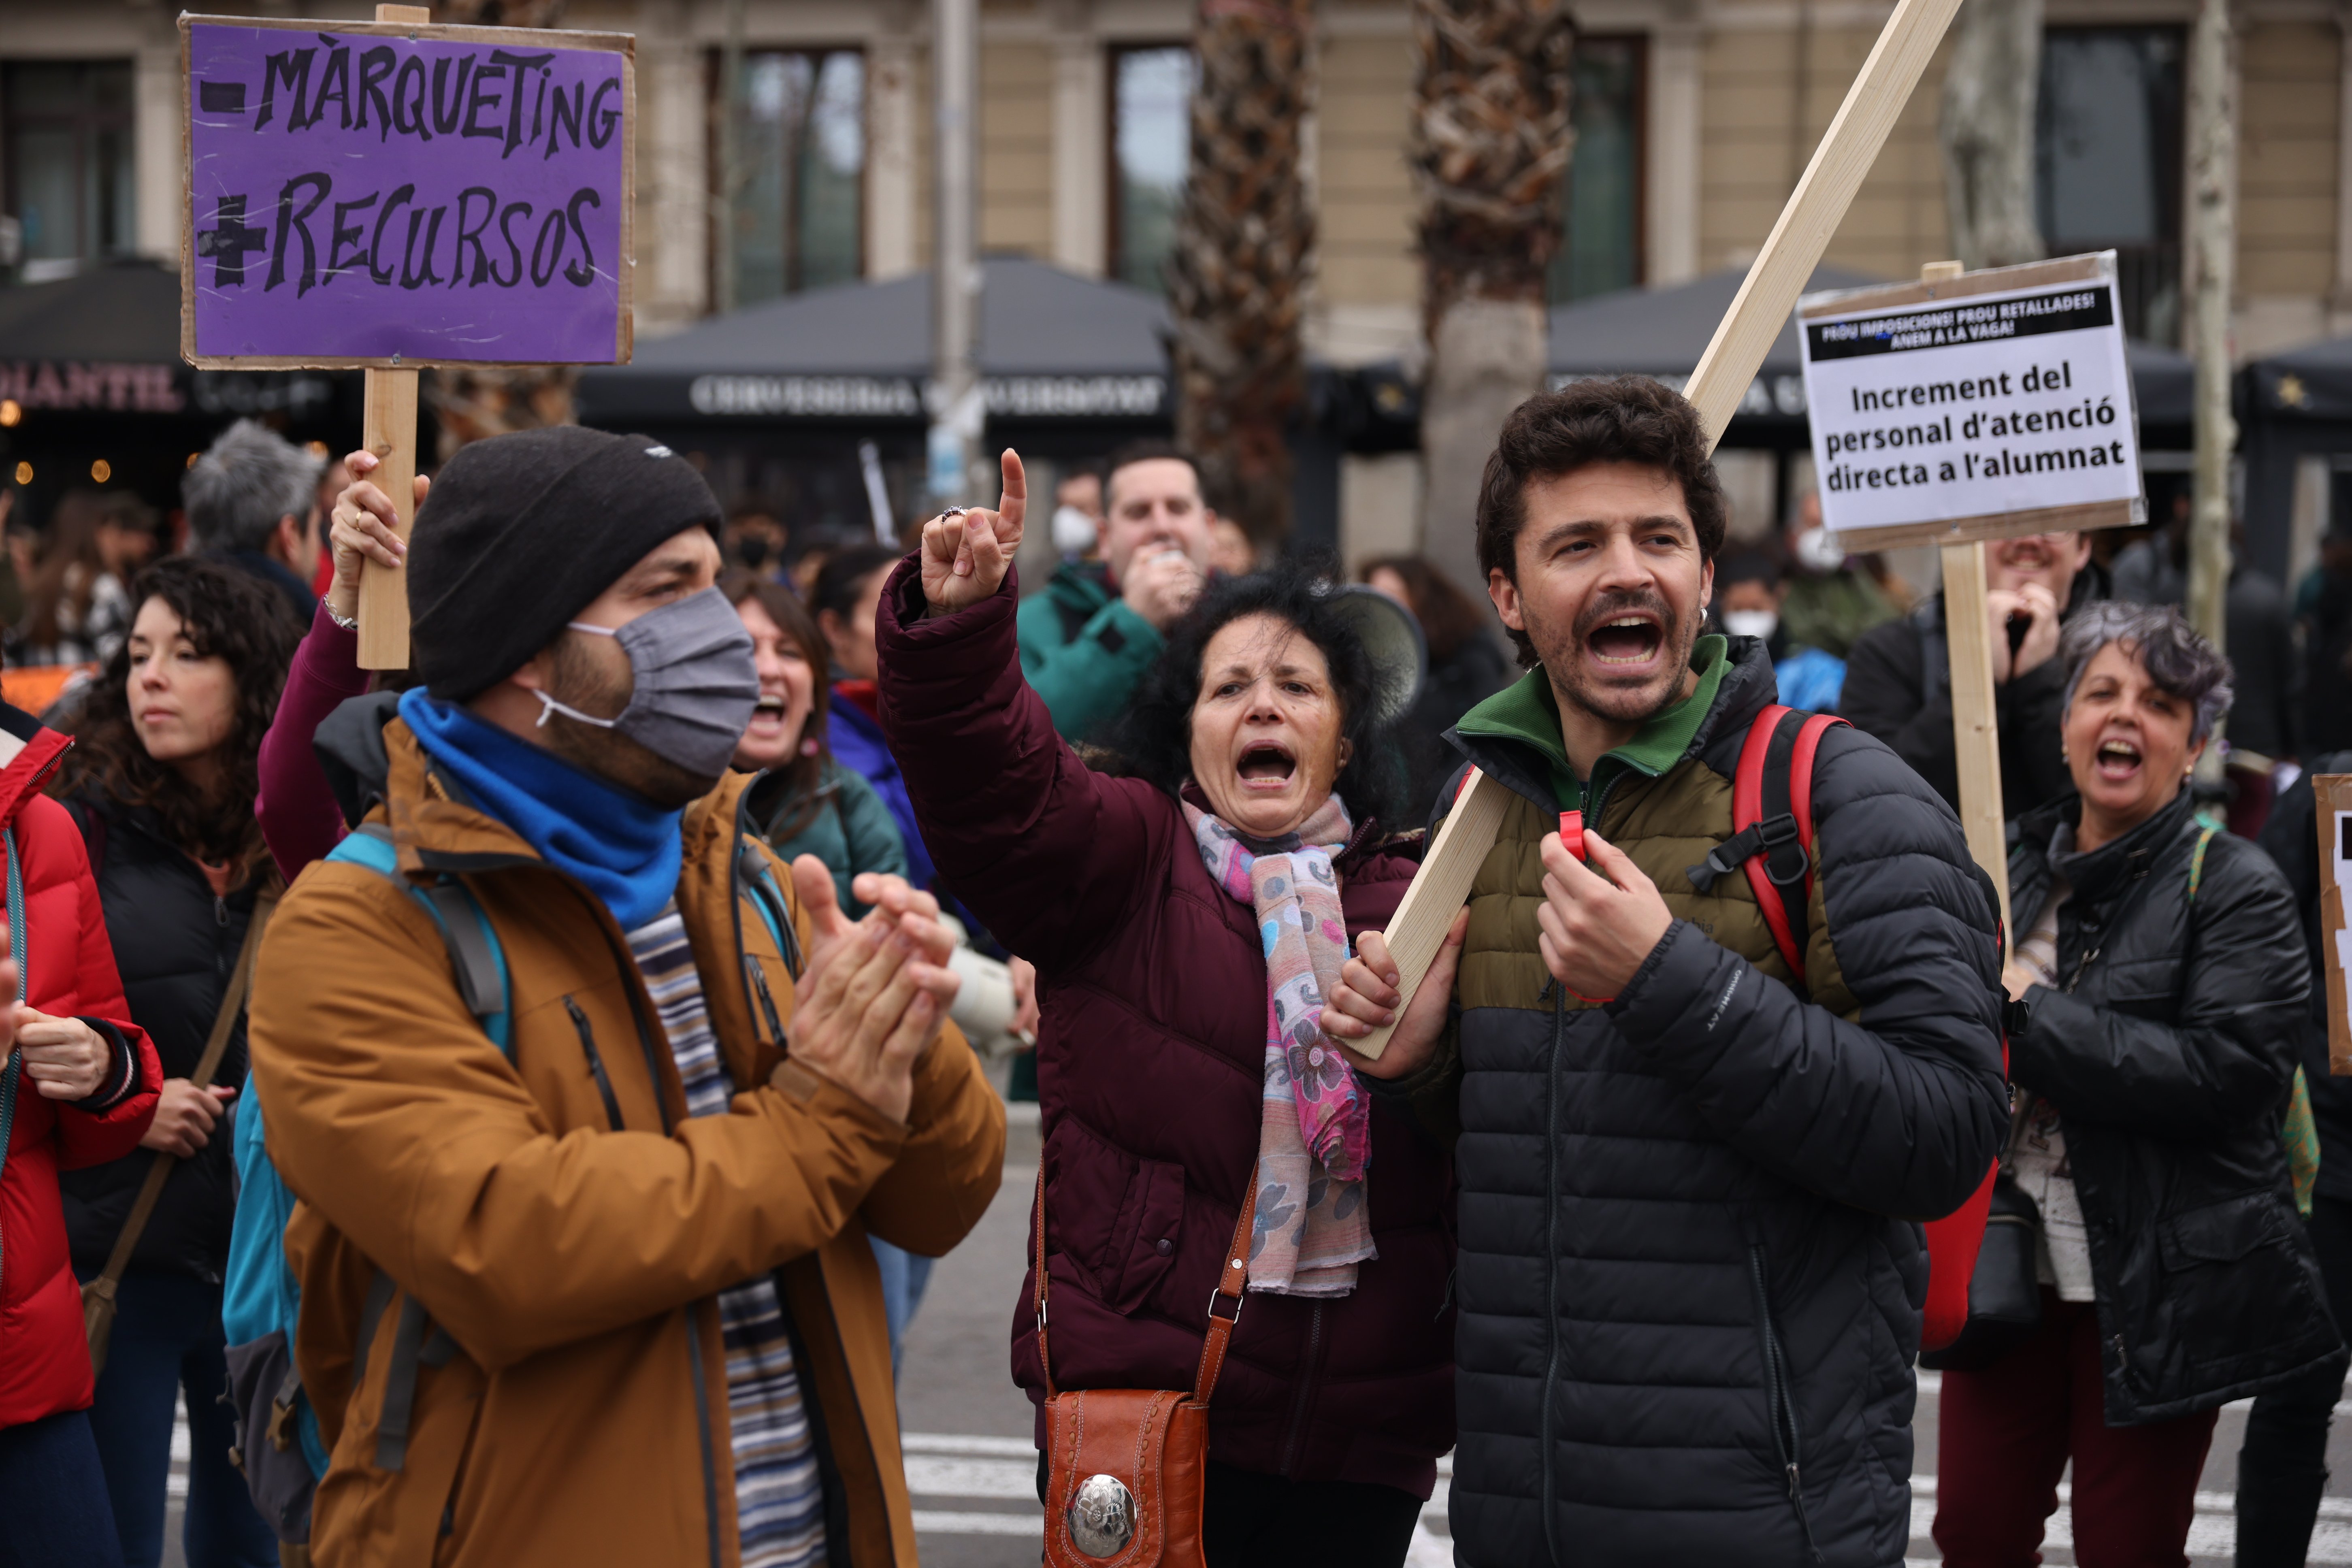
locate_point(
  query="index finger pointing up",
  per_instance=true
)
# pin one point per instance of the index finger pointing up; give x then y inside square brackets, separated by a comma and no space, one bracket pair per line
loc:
[1014,506]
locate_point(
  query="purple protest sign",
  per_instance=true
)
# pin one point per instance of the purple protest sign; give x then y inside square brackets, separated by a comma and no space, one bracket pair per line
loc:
[383,194]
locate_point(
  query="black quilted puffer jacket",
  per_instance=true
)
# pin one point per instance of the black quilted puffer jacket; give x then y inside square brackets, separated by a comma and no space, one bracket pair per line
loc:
[1690,1273]
[2169,1052]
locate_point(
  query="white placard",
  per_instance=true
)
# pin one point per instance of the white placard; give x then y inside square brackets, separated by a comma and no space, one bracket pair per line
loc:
[1972,406]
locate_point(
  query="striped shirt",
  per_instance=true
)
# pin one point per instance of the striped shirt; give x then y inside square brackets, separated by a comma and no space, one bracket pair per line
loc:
[779,1499]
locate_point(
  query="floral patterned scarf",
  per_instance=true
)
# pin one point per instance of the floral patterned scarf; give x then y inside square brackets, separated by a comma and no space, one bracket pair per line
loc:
[1312,1227]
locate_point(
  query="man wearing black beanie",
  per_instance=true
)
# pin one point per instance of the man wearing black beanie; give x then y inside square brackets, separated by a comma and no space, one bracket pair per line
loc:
[635,1198]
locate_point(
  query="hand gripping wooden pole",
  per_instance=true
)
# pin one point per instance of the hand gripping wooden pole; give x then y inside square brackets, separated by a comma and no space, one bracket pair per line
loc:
[388,430]
[1723,374]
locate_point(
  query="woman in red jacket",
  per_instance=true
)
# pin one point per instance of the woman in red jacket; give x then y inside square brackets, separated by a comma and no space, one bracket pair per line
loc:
[78,1088]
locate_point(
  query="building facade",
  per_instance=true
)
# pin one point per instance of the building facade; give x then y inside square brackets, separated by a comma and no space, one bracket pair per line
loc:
[1694,118]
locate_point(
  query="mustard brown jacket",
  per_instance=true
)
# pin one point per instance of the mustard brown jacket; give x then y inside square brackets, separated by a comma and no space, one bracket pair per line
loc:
[560,1217]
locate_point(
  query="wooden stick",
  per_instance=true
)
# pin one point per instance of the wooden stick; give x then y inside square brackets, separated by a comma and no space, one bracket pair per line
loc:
[1724,374]
[1815,208]
[1976,734]
[1976,728]
[388,430]
[1440,887]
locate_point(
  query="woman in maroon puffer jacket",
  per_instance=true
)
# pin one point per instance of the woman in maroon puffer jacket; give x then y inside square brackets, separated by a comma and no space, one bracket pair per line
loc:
[86,1081]
[1159,1084]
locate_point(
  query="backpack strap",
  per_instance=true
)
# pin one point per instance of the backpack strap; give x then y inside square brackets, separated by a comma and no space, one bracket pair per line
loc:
[479,963]
[1773,825]
[476,955]
[755,879]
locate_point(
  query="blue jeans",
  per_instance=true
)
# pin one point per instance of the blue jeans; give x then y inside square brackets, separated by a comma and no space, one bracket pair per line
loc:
[167,1338]
[53,1509]
[903,1275]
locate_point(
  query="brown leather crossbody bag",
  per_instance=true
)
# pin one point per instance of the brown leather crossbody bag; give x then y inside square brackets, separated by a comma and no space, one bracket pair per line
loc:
[1125,1467]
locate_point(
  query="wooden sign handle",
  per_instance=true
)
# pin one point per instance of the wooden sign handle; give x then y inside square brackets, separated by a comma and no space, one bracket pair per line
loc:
[388,430]
[1975,731]
[1439,888]
[1815,208]
[1725,373]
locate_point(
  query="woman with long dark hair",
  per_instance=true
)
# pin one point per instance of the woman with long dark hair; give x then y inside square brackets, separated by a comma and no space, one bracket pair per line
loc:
[807,803]
[162,781]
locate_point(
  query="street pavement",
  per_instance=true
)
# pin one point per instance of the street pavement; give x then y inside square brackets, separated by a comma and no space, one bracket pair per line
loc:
[973,1471]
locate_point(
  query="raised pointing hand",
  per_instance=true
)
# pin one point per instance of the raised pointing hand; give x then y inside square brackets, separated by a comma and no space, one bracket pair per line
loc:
[965,556]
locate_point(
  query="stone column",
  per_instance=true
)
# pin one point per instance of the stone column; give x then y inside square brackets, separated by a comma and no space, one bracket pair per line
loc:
[1673,174]
[1081,139]
[894,122]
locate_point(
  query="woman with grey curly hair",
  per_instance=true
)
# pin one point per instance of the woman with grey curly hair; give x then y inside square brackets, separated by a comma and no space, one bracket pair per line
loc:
[2157,981]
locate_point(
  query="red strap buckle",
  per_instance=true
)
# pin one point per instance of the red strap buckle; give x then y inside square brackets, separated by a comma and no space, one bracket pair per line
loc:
[1572,833]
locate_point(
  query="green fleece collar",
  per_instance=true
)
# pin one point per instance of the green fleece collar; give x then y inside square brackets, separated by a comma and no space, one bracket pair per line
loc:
[1525,711]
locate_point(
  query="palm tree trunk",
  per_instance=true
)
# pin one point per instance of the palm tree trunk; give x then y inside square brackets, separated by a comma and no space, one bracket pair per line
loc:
[1489,153]
[1990,89]
[1244,247]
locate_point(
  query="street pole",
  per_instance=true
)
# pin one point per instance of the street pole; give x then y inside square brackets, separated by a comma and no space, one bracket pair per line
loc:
[955,401]
[2212,170]
[724,289]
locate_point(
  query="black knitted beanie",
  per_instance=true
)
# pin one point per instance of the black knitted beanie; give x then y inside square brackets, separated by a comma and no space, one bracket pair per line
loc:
[521,532]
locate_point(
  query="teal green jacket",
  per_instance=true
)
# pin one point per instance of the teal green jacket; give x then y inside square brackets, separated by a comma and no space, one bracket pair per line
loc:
[1083,650]
[852,830]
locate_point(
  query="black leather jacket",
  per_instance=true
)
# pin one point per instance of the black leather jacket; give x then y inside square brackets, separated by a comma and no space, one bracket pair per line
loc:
[2168,1051]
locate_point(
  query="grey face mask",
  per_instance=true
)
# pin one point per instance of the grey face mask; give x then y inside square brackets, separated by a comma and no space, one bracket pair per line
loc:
[696,684]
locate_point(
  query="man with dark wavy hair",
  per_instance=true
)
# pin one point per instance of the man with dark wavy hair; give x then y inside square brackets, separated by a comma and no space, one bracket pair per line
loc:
[1690,1271]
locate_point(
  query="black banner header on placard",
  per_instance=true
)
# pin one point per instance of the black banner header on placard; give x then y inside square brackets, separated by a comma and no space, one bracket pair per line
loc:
[1963,322]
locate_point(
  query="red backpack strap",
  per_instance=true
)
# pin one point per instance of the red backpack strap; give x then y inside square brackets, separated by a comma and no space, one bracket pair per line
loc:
[1773,825]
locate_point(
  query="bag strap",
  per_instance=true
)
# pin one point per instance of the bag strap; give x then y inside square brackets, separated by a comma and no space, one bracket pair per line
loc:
[151,1192]
[1773,825]
[1232,1282]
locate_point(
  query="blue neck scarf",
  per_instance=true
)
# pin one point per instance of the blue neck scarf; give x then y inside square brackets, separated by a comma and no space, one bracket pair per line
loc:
[626,849]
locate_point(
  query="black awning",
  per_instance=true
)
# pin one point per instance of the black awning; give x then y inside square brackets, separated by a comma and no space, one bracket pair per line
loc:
[1053,346]
[2312,382]
[1661,332]
[107,341]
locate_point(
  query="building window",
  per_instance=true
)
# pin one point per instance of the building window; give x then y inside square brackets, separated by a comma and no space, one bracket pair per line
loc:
[799,204]
[65,129]
[2107,161]
[1602,249]
[1151,146]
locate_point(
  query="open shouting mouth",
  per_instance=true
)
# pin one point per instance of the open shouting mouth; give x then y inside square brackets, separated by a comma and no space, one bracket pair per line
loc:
[2117,761]
[1266,767]
[1626,640]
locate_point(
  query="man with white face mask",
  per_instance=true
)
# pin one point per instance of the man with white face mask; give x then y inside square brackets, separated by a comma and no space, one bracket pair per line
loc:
[1088,637]
[1830,601]
[628,1310]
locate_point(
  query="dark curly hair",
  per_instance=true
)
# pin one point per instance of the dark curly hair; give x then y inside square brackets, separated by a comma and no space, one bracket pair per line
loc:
[1627,419]
[1153,739]
[229,615]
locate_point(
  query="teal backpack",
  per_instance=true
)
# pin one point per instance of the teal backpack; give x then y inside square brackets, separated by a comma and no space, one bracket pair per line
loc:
[278,1445]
